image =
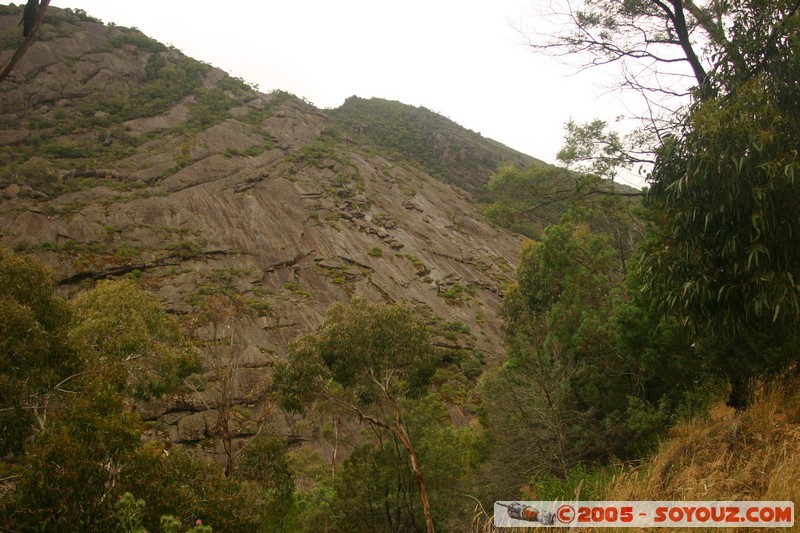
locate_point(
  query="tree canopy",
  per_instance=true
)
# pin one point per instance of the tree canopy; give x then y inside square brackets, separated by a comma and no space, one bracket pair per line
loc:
[719,79]
[36,358]
[366,358]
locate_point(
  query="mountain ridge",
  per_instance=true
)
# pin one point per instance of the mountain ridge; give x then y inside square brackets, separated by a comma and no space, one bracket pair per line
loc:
[441,146]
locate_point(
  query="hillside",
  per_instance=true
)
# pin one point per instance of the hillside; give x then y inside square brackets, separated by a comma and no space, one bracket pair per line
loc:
[719,456]
[122,156]
[441,147]
[726,455]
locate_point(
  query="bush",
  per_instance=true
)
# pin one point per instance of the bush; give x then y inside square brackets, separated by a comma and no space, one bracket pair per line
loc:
[583,483]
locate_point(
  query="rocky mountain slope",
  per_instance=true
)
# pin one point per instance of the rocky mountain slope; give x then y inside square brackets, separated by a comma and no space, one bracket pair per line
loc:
[121,156]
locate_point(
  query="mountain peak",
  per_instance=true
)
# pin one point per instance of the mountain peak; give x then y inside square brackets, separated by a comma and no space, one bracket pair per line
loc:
[438,145]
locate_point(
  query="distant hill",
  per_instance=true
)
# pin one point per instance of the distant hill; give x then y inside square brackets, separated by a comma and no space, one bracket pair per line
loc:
[438,145]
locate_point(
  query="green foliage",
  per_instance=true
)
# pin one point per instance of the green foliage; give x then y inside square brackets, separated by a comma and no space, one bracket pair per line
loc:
[186,249]
[120,325]
[111,340]
[210,107]
[314,154]
[727,189]
[457,294]
[672,380]
[35,355]
[296,289]
[593,371]
[375,251]
[448,455]
[237,87]
[585,483]
[206,289]
[96,125]
[571,265]
[314,478]
[264,461]
[367,359]
[362,343]
[359,346]
[82,16]
[260,307]
[137,39]
[178,484]
[472,367]
[129,513]
[527,200]
[590,149]
[457,326]
[170,524]
[169,79]
[437,145]
[394,127]
[726,260]
[375,490]
[73,463]
[417,263]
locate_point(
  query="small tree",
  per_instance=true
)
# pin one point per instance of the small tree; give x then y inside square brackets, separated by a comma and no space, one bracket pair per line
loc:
[366,358]
[562,349]
[36,360]
[265,462]
[67,371]
[225,358]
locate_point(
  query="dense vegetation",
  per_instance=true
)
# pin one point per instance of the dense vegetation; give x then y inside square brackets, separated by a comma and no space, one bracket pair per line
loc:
[710,301]
[418,135]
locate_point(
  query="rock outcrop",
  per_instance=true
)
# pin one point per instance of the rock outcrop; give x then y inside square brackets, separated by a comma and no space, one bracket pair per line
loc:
[221,189]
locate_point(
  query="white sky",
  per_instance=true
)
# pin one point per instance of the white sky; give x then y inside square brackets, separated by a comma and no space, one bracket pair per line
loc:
[460,58]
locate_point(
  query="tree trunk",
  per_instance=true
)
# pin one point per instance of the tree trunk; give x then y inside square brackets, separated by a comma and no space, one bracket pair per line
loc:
[682,30]
[400,431]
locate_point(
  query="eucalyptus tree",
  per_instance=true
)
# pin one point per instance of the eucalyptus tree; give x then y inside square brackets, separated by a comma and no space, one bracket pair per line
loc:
[728,183]
[37,362]
[366,358]
[725,156]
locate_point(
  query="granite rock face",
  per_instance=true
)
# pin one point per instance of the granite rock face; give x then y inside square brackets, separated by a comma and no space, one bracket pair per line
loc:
[268,199]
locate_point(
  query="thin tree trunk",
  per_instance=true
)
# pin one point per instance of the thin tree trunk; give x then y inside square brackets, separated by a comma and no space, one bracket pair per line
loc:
[400,431]
[335,447]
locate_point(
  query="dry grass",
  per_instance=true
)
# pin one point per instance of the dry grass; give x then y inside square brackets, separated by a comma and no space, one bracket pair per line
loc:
[754,455]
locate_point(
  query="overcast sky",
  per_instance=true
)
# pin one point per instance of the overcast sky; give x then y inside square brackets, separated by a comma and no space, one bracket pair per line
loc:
[460,58]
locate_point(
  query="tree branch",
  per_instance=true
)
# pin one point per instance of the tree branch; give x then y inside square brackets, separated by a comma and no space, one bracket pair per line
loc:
[23,47]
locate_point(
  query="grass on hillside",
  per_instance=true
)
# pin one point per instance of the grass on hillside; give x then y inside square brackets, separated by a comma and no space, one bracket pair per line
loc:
[750,456]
